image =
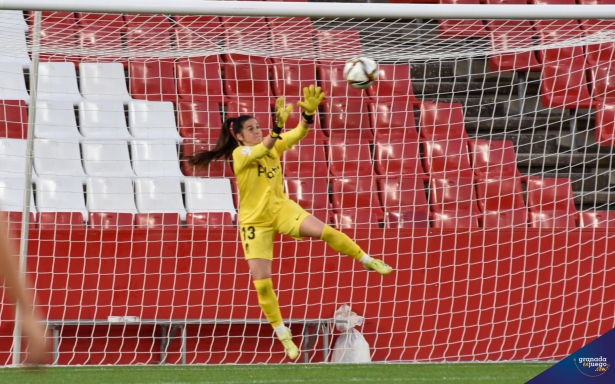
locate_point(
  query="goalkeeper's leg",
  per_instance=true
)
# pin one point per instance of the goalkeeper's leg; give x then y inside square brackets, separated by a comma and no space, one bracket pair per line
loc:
[339,241]
[268,301]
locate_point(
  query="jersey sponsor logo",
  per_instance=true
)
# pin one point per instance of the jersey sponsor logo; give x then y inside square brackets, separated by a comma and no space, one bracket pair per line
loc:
[246,151]
[270,174]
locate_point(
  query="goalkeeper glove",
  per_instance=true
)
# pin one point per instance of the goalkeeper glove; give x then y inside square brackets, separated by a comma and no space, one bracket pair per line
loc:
[313,96]
[281,115]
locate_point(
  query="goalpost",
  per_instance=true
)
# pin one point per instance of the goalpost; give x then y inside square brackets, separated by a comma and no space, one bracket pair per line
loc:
[478,166]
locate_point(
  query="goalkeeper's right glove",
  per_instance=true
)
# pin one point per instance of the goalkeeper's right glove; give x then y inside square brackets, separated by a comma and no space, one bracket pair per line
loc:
[313,96]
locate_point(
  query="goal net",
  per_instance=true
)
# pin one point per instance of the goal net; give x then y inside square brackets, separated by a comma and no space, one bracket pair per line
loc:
[478,166]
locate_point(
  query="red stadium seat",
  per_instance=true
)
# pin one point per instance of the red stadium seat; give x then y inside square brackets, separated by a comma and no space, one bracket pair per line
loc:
[356,218]
[331,79]
[146,22]
[550,203]
[110,220]
[58,31]
[240,32]
[199,79]
[199,120]
[198,23]
[349,158]
[508,34]
[398,159]
[290,24]
[404,202]
[289,78]
[217,168]
[140,42]
[564,85]
[393,84]
[329,42]
[112,21]
[595,26]
[439,121]
[597,219]
[310,193]
[347,119]
[447,159]
[261,110]
[393,120]
[555,31]
[287,36]
[408,219]
[605,123]
[603,53]
[60,220]
[157,221]
[305,159]
[603,82]
[493,159]
[209,220]
[243,80]
[248,23]
[501,203]
[453,203]
[152,80]
[13,119]
[92,38]
[200,40]
[355,197]
[459,29]
[13,221]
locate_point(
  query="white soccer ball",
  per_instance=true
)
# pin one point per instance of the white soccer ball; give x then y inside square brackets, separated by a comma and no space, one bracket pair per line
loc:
[361,72]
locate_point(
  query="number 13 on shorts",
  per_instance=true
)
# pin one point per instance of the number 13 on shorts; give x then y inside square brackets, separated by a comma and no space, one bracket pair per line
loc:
[257,242]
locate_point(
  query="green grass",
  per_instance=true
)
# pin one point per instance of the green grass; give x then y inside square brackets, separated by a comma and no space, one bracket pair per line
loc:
[458,373]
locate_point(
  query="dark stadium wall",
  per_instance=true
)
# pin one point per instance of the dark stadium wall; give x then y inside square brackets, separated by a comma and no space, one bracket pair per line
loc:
[485,295]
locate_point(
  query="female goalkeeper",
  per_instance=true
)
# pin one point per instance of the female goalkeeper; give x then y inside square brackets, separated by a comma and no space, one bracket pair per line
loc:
[264,208]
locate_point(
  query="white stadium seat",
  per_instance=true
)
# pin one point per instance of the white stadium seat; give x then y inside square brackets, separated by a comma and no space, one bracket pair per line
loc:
[56,120]
[12,21]
[106,159]
[60,194]
[13,157]
[11,194]
[152,120]
[103,81]
[58,81]
[103,120]
[58,158]
[155,158]
[159,195]
[209,195]
[13,47]
[13,82]
[110,194]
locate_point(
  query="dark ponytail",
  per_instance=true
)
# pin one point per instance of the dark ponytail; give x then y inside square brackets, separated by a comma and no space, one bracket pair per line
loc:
[226,143]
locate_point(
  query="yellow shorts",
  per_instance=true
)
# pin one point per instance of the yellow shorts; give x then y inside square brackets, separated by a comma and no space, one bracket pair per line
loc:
[257,241]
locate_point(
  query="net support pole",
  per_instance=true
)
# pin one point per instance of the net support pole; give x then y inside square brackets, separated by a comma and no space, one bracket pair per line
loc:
[25,220]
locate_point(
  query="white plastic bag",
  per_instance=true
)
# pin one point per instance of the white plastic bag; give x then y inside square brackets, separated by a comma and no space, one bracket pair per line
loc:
[351,346]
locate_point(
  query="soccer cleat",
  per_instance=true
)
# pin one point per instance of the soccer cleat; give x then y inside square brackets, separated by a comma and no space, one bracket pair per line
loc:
[378,266]
[289,347]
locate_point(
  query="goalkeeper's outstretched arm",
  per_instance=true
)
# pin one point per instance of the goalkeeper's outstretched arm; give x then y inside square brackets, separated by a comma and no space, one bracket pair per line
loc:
[313,96]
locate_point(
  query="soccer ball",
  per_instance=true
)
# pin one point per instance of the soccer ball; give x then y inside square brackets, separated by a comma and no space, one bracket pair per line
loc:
[361,72]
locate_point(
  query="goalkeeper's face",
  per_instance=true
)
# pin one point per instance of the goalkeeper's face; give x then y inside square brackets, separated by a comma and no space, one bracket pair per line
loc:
[251,133]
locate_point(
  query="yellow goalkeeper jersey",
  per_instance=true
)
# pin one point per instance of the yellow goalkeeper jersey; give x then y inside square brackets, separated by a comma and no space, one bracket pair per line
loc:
[259,178]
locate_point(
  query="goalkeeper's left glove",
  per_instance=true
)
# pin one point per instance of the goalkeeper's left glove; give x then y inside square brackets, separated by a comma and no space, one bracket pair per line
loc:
[281,115]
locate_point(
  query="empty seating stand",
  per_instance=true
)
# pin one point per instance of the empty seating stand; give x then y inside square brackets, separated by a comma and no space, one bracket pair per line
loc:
[501,203]
[404,202]
[355,203]
[550,203]
[453,203]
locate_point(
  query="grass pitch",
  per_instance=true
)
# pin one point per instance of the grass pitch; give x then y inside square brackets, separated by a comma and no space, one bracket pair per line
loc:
[458,373]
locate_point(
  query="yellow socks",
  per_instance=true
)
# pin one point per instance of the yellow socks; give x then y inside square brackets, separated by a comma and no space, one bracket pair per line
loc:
[268,302]
[341,243]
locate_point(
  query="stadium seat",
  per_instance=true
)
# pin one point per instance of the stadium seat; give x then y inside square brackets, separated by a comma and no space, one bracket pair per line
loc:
[198,23]
[146,22]
[440,121]
[311,193]
[12,193]
[556,31]
[597,219]
[58,32]
[155,158]
[60,194]
[58,158]
[199,120]
[356,218]
[605,123]
[398,159]
[243,80]
[94,39]
[596,26]
[12,157]
[393,84]
[564,85]
[110,220]
[506,35]
[103,120]
[260,109]
[603,53]
[329,42]
[447,159]
[459,29]
[199,79]
[152,80]
[13,119]
[167,220]
[14,219]
[209,195]
[158,195]
[209,219]
[152,120]
[348,158]
[290,24]
[290,77]
[603,83]
[305,159]
[393,120]
[141,42]
[288,34]
[103,81]
[453,203]
[197,32]
[112,21]
[347,119]
[56,120]
[355,200]
[106,159]
[331,79]
[501,203]
[217,168]
[550,203]
[249,32]
[110,194]
[493,159]
[58,82]
[12,21]
[53,221]
[13,82]
[404,202]
[14,47]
